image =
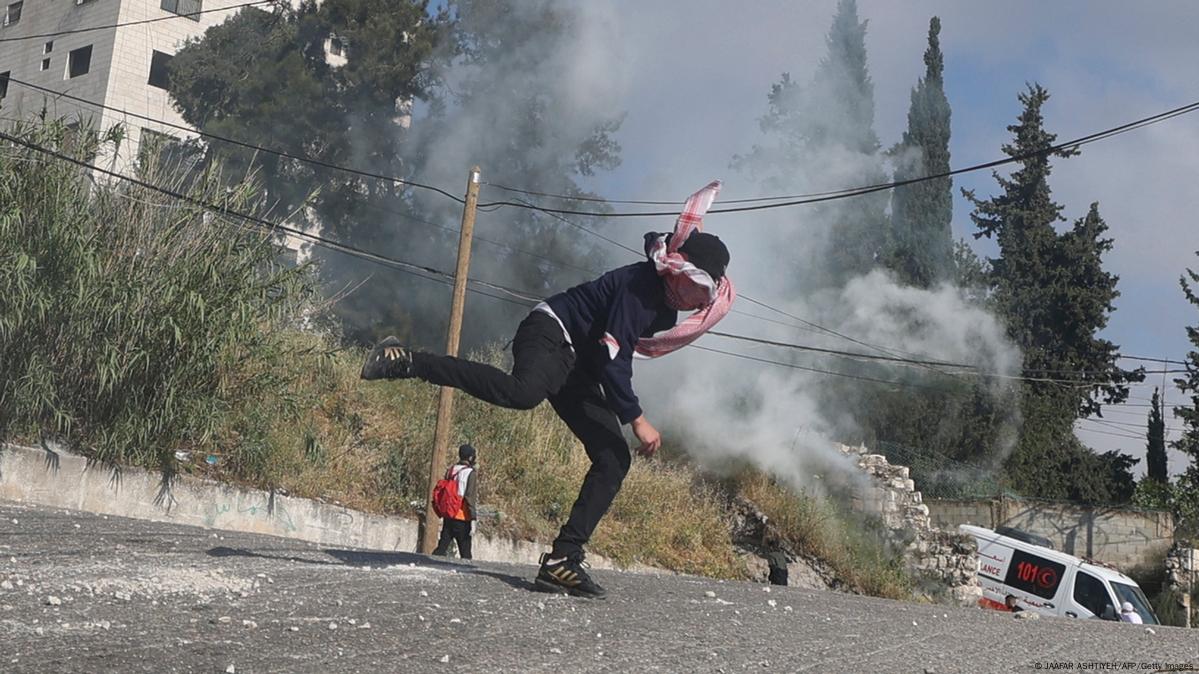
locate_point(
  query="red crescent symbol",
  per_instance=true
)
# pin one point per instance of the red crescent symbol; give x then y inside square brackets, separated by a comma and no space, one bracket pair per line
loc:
[1047,578]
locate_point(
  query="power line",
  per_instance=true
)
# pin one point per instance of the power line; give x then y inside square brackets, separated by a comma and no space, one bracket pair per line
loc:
[808,324]
[804,368]
[521,297]
[316,162]
[836,352]
[248,146]
[139,22]
[801,199]
[412,268]
[1157,360]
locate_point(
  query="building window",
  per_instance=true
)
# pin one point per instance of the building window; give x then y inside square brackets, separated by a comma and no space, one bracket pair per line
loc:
[45,64]
[4,83]
[189,8]
[79,61]
[160,70]
[13,14]
[48,47]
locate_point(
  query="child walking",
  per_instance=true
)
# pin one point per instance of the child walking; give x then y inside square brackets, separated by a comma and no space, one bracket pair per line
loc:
[456,526]
[576,350]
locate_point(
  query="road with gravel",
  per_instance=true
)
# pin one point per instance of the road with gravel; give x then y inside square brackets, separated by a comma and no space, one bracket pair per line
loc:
[88,593]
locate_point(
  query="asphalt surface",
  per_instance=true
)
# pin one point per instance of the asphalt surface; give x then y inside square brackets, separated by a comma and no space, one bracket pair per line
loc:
[86,593]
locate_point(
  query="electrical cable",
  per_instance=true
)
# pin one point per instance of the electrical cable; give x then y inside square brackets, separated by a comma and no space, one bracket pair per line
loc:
[248,146]
[814,198]
[808,325]
[415,269]
[798,200]
[522,297]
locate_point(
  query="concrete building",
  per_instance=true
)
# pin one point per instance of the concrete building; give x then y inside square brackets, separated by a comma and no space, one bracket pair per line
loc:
[123,68]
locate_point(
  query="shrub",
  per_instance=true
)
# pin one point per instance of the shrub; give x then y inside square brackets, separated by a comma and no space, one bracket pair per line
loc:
[133,324]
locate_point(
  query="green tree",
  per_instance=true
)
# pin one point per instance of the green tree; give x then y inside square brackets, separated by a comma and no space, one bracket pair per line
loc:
[826,132]
[921,248]
[1156,448]
[264,78]
[1187,490]
[1055,297]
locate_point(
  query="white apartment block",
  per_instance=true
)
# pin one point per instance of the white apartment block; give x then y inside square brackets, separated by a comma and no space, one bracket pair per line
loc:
[123,68]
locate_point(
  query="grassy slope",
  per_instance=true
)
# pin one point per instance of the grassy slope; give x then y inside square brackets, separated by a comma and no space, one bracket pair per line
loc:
[367,445]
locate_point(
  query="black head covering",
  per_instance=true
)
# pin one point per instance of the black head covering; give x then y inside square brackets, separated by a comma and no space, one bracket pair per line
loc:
[466,453]
[707,252]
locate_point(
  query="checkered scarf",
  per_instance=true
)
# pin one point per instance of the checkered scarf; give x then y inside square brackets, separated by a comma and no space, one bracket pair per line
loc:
[688,288]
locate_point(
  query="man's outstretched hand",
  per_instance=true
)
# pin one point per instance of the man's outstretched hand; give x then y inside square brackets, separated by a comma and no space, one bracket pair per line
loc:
[650,439]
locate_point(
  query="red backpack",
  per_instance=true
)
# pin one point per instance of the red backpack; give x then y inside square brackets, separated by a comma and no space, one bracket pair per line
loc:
[446,501]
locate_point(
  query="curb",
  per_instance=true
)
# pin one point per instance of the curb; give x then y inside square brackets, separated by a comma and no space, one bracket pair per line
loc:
[59,479]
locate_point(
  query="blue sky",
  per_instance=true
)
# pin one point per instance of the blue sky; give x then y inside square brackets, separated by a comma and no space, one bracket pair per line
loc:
[693,82]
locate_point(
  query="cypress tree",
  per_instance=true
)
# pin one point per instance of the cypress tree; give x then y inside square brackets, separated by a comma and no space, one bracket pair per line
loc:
[1156,449]
[1187,491]
[1054,296]
[921,247]
[858,234]
[828,125]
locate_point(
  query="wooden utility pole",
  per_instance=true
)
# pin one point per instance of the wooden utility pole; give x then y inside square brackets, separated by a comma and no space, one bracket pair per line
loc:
[445,405]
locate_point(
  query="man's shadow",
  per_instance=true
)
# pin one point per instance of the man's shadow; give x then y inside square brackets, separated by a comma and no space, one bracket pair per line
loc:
[361,558]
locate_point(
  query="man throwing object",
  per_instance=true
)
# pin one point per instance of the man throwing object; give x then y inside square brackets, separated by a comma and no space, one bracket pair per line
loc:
[576,350]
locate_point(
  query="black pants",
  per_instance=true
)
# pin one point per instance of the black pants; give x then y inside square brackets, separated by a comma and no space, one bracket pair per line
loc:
[544,368]
[454,530]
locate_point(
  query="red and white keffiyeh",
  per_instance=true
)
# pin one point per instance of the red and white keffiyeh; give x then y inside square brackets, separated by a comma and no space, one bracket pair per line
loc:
[688,288]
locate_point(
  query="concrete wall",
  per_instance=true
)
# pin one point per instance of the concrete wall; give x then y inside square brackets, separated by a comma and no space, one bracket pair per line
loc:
[63,480]
[1123,537]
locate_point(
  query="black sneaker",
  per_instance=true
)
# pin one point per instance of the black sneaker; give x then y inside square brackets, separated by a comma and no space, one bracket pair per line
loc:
[568,576]
[388,360]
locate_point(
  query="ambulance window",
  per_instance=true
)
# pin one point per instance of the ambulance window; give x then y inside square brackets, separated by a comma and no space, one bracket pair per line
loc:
[1091,593]
[1034,574]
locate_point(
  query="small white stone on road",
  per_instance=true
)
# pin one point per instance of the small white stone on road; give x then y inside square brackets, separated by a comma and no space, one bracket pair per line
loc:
[332,626]
[541,605]
[455,620]
[249,623]
[14,521]
[424,593]
[556,651]
[353,621]
[422,618]
[230,669]
[771,603]
[6,585]
[224,619]
[913,623]
[710,594]
[445,658]
[1150,630]
[788,609]
[293,628]
[39,631]
[364,626]
[766,589]
[53,601]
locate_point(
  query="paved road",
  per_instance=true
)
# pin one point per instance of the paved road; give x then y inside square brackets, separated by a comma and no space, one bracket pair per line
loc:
[84,593]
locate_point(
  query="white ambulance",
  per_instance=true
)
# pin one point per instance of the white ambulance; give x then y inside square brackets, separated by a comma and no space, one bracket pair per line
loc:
[1050,582]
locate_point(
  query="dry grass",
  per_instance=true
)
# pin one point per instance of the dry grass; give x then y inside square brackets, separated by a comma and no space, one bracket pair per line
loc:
[851,545]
